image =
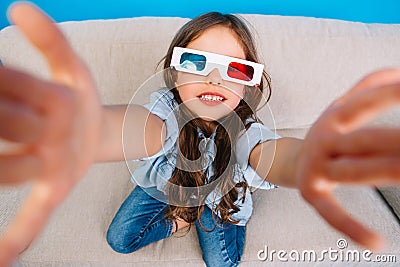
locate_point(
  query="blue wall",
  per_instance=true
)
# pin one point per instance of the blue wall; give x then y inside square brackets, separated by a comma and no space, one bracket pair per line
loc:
[369,11]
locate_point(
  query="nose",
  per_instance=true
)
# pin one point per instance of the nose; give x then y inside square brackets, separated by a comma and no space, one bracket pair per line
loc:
[214,77]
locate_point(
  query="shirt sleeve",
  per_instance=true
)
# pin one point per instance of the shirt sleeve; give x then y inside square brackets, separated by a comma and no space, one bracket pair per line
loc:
[163,105]
[257,133]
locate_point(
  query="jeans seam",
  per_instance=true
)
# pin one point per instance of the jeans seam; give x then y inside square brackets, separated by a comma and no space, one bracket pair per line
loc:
[142,231]
[224,248]
[170,228]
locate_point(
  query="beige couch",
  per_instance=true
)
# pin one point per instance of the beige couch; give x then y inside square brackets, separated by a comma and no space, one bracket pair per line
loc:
[311,62]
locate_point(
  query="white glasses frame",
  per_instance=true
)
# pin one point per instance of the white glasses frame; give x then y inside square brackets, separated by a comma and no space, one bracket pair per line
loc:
[217,61]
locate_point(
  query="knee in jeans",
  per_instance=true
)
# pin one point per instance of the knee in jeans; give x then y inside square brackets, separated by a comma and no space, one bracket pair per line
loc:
[116,242]
[223,258]
[119,243]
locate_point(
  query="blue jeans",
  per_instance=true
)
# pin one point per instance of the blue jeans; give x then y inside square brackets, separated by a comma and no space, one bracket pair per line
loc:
[141,221]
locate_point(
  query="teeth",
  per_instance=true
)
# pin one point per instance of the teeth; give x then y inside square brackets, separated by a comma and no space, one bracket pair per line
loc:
[211,98]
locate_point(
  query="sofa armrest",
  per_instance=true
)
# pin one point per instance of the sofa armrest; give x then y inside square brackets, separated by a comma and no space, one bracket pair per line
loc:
[392,197]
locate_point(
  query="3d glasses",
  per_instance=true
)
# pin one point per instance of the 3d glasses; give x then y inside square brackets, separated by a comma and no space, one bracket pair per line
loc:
[231,69]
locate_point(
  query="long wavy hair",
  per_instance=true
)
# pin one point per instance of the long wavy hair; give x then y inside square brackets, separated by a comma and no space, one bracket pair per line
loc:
[227,130]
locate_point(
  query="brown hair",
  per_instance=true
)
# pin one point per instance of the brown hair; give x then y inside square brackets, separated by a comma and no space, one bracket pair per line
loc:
[226,134]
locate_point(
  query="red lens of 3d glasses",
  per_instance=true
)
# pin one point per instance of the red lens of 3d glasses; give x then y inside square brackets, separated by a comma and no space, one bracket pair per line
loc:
[240,71]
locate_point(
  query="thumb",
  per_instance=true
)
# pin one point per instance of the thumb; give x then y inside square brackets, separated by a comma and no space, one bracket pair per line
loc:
[66,67]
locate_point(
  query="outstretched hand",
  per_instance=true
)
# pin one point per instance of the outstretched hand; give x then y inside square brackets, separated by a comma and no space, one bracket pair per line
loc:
[57,123]
[338,150]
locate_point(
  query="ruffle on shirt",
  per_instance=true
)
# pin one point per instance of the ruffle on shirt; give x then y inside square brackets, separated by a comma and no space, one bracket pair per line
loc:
[248,140]
[207,149]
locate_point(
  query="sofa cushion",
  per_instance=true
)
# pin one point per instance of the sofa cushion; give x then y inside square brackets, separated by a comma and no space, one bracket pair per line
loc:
[311,62]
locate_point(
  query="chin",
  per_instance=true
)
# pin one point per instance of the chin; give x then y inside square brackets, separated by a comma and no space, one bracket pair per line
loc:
[212,117]
[208,119]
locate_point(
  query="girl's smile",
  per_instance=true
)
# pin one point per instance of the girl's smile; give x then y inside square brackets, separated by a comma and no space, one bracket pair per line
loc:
[211,98]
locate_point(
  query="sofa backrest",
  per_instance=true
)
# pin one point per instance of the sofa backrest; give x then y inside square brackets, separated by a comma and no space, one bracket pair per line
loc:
[311,61]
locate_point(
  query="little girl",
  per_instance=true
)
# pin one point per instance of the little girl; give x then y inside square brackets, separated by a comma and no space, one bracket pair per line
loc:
[209,114]
[202,144]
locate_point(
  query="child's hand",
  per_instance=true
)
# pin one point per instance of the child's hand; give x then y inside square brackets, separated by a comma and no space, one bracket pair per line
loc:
[338,150]
[57,122]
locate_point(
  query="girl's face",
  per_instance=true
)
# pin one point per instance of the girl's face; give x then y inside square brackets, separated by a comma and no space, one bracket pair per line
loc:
[210,97]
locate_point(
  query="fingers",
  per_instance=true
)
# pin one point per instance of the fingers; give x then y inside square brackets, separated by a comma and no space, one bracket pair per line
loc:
[366,156]
[19,168]
[342,153]
[332,212]
[24,88]
[19,123]
[65,65]
[363,106]
[368,141]
[21,99]
[32,109]
[66,125]
[370,170]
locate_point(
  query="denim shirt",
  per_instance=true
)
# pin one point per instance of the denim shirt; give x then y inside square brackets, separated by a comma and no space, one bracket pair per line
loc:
[156,170]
